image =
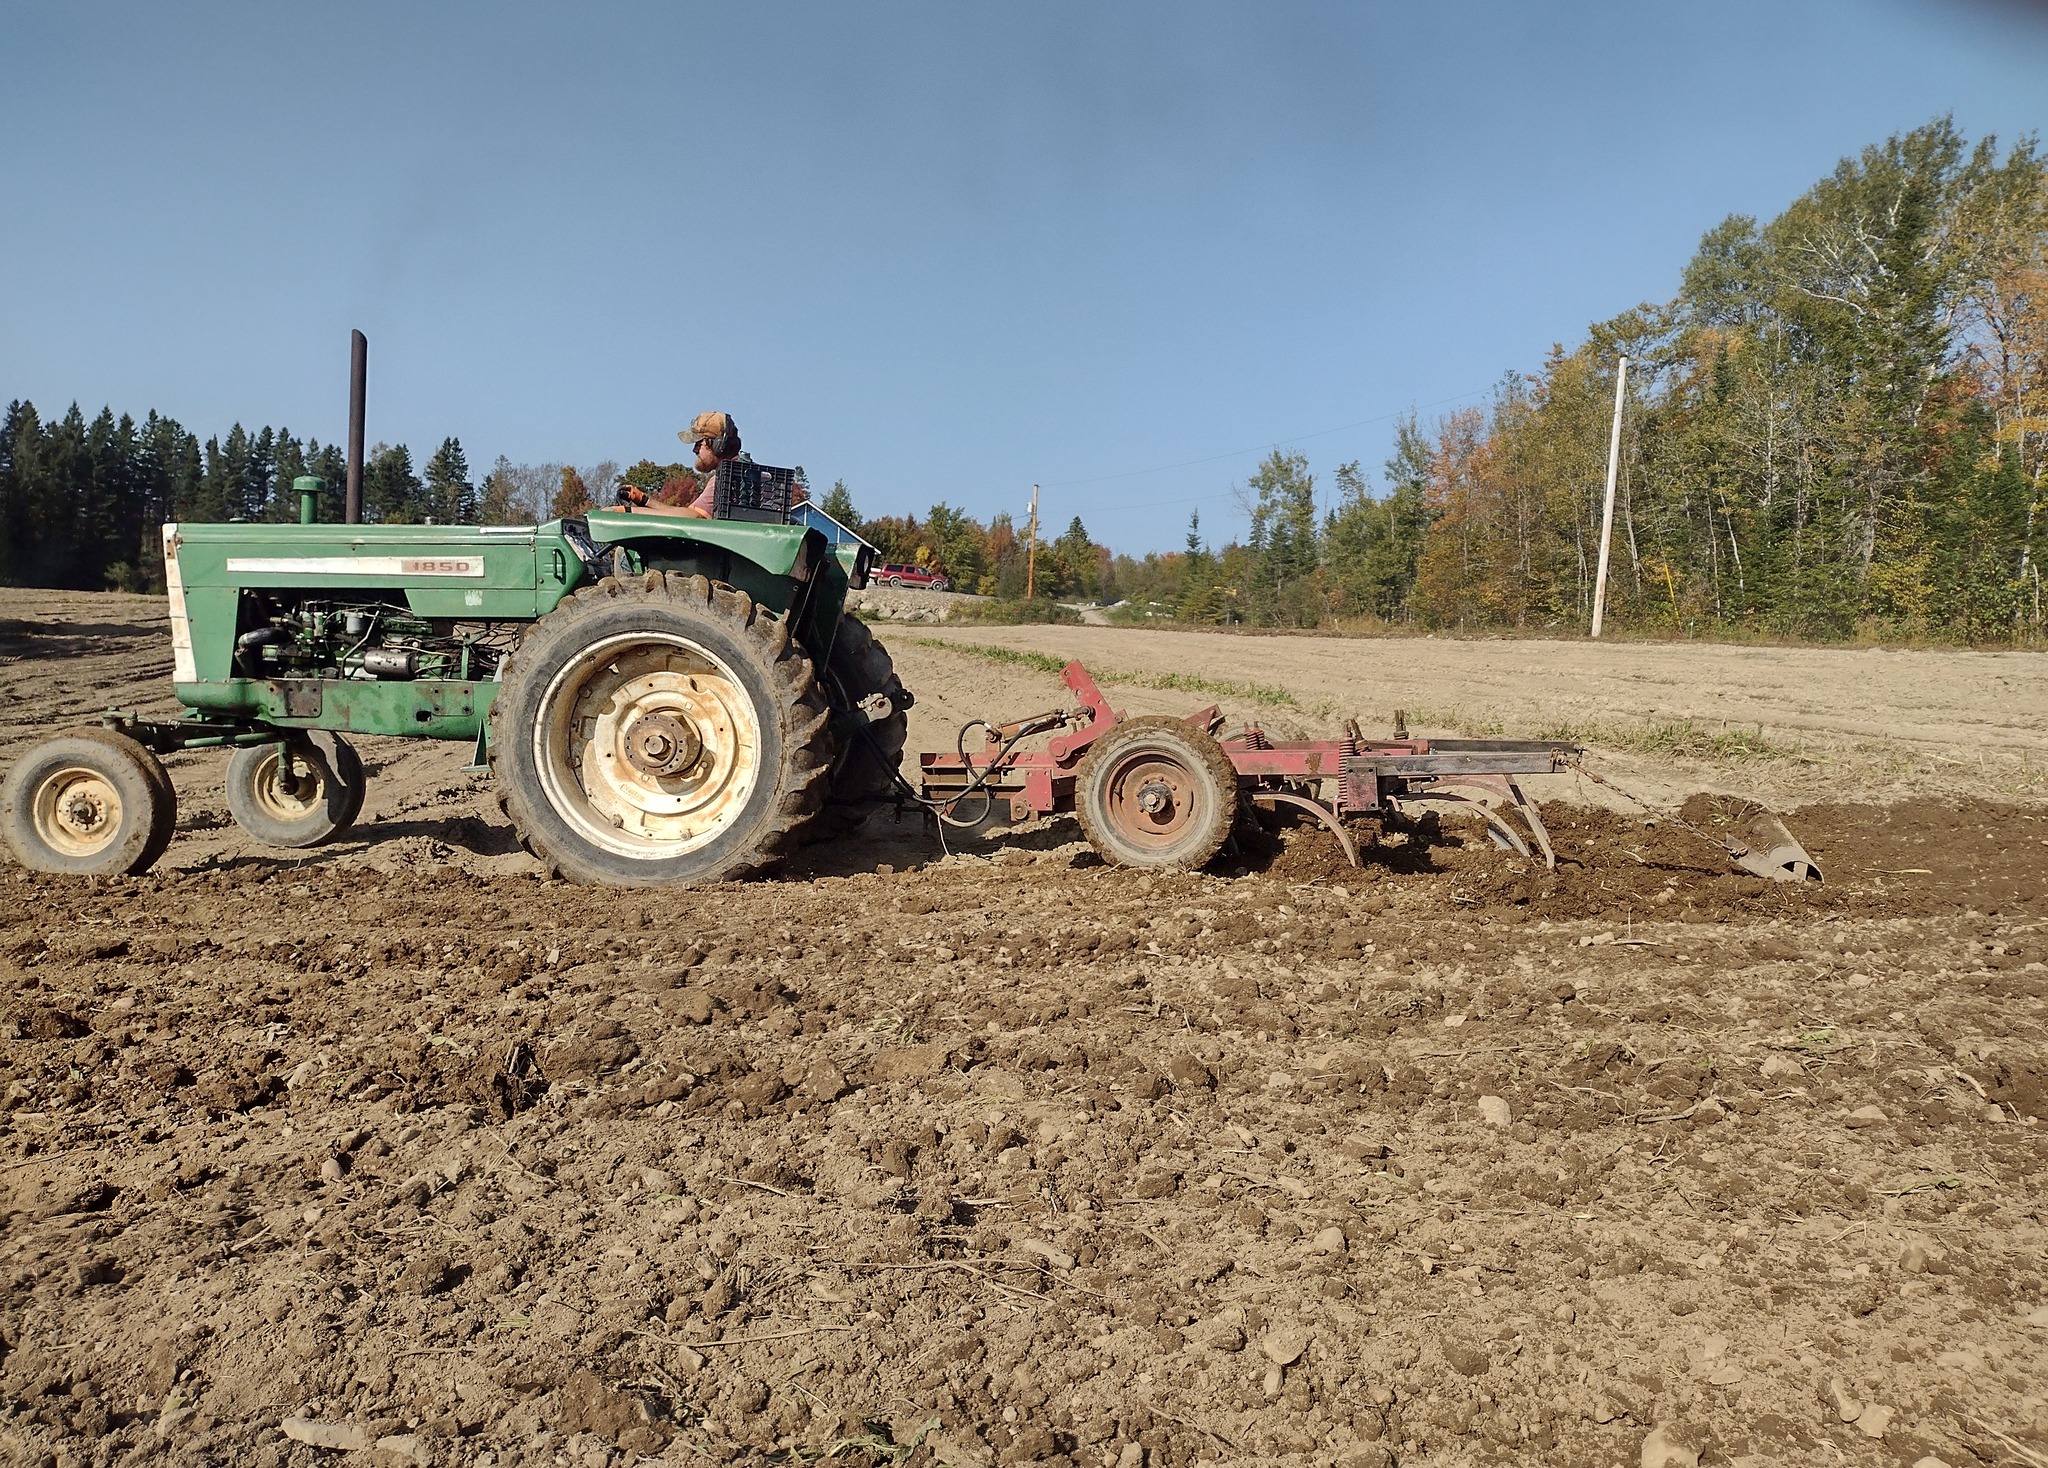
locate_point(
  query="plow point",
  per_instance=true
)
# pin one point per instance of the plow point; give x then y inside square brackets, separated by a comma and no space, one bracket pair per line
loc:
[1760,844]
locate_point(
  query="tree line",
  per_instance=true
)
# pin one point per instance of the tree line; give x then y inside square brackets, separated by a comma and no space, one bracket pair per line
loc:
[1837,427]
[1839,424]
[81,502]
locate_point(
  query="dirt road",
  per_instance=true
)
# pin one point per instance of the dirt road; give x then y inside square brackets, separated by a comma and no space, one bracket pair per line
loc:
[396,1149]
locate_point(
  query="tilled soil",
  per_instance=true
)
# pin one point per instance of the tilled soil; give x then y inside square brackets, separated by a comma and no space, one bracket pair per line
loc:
[398,1150]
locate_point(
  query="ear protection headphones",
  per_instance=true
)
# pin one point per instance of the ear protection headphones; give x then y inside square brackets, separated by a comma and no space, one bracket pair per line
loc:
[716,429]
[727,444]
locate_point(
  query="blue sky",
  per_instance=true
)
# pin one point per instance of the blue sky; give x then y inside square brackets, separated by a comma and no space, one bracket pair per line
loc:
[940,251]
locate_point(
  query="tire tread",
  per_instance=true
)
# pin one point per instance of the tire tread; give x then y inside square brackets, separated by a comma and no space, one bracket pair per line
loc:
[1209,760]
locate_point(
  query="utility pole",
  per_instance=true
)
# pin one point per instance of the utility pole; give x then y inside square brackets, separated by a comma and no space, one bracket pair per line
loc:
[1031,551]
[1607,514]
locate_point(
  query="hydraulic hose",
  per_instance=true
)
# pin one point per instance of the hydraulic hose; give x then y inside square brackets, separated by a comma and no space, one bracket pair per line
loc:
[977,786]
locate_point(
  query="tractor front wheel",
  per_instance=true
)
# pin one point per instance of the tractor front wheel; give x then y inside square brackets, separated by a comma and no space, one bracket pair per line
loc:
[317,801]
[657,730]
[88,803]
[1156,792]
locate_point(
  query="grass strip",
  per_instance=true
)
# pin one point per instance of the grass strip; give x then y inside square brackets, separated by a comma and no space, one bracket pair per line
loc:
[1263,693]
[1675,739]
[1679,739]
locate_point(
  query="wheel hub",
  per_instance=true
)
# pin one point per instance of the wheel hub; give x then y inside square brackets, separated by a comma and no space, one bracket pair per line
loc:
[77,812]
[1150,800]
[663,744]
[650,745]
[287,796]
[83,813]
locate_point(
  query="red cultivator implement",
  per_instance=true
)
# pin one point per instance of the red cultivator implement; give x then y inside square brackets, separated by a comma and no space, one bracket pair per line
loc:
[1165,792]
[1158,791]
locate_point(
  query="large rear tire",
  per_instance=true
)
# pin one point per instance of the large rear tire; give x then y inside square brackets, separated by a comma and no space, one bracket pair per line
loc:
[319,803]
[88,803]
[1156,792]
[658,730]
[862,671]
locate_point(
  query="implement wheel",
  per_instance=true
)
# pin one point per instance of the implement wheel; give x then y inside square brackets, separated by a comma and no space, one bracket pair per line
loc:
[660,729]
[88,803]
[320,801]
[1156,792]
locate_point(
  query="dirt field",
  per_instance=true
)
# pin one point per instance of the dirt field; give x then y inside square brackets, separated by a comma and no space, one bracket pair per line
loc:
[397,1151]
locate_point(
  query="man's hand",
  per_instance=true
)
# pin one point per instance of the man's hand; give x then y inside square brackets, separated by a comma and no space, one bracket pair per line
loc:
[632,494]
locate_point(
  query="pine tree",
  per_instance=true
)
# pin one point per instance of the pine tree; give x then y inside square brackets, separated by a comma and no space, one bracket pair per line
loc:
[236,468]
[261,491]
[1072,562]
[290,466]
[1283,545]
[500,502]
[330,464]
[392,492]
[1373,545]
[450,498]
[17,438]
[838,503]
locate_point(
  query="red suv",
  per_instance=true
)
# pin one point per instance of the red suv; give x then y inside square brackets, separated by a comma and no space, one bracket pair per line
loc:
[910,576]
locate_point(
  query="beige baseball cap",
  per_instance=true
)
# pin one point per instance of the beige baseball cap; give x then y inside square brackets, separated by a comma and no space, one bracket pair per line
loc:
[713,426]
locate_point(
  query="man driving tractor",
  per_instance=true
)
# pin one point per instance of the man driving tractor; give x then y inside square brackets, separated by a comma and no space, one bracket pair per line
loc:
[715,439]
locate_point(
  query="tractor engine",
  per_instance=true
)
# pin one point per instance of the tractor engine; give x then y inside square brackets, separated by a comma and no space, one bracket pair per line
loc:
[368,639]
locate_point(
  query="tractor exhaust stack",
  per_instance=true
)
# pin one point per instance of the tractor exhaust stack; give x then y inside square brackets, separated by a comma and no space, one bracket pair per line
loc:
[358,379]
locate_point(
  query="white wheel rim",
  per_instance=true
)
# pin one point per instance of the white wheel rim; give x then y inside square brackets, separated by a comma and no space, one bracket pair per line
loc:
[77,811]
[293,801]
[591,706]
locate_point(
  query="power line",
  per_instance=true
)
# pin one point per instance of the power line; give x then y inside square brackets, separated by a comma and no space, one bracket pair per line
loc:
[1257,448]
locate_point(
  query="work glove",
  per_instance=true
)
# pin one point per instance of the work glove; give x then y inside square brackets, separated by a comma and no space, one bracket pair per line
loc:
[632,494]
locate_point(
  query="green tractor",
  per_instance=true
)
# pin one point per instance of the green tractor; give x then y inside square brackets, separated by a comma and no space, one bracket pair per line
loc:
[659,700]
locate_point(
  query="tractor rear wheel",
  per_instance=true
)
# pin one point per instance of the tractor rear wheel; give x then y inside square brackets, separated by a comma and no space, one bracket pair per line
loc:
[1156,792]
[88,803]
[660,729]
[862,671]
[319,802]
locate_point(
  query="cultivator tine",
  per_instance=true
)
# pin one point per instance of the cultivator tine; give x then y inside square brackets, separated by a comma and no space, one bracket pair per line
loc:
[1504,835]
[1535,819]
[1321,812]
[1763,846]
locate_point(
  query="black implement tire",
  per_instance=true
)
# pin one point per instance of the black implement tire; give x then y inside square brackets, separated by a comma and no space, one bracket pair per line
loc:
[322,803]
[657,730]
[88,803]
[861,668]
[1163,760]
